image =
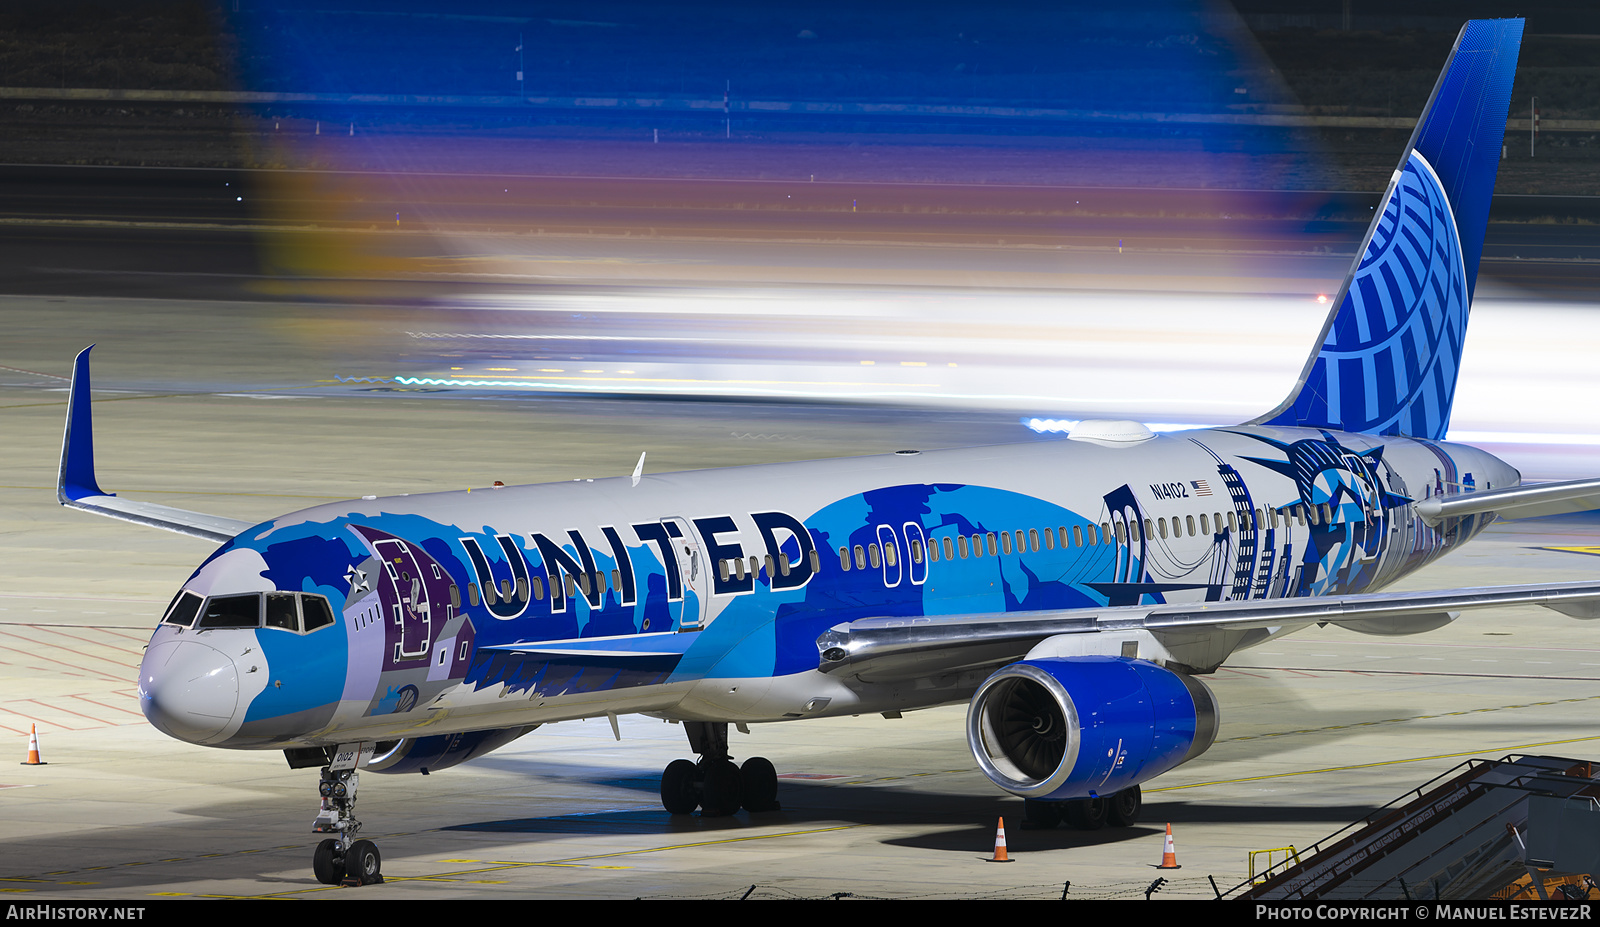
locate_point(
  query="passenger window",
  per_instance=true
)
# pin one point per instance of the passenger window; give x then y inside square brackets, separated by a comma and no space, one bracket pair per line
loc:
[933,550]
[962,542]
[1005,542]
[738,568]
[455,595]
[616,579]
[916,551]
[1161,526]
[1122,532]
[231,611]
[571,584]
[538,588]
[472,594]
[889,553]
[990,539]
[861,557]
[816,562]
[1188,524]
[783,564]
[1231,525]
[1077,535]
[505,589]
[584,582]
[1327,513]
[1205,526]
[316,611]
[1033,540]
[872,552]
[949,549]
[283,611]
[755,568]
[522,589]
[844,559]
[185,605]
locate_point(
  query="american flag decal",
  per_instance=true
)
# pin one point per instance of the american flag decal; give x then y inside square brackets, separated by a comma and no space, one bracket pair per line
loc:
[1201,487]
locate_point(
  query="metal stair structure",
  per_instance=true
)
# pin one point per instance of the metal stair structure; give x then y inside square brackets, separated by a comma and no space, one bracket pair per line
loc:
[1467,834]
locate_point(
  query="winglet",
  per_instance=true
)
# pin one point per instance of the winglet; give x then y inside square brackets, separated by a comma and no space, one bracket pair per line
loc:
[76,479]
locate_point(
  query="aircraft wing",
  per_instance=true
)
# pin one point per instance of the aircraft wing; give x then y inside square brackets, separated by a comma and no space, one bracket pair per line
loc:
[76,487]
[891,648]
[1515,502]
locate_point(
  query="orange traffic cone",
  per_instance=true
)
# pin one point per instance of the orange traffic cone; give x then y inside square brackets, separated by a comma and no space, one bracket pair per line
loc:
[1169,856]
[33,747]
[999,844]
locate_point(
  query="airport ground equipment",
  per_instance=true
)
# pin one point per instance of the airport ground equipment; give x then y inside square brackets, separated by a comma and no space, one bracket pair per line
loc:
[1468,834]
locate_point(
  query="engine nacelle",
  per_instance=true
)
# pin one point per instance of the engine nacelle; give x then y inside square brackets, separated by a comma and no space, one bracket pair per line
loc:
[1082,727]
[439,751]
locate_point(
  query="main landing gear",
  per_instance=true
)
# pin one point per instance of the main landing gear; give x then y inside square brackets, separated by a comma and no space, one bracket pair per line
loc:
[715,785]
[342,860]
[1118,810]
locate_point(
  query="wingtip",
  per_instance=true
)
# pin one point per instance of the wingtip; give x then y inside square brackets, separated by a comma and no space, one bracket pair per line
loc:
[76,478]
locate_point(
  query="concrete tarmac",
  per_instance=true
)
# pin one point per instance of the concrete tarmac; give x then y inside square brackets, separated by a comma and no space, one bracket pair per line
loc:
[228,408]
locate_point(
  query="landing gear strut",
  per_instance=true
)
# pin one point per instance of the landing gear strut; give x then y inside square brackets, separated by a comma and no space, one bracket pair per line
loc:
[342,860]
[1118,810]
[715,785]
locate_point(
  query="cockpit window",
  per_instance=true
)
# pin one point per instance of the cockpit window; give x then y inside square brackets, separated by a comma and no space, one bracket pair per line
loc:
[317,612]
[283,611]
[185,605]
[232,611]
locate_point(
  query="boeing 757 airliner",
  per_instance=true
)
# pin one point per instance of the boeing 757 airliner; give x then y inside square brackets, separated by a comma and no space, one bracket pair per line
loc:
[1073,593]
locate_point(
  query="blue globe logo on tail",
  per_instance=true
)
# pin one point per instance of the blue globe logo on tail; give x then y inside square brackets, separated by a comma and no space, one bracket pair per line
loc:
[1391,349]
[1388,365]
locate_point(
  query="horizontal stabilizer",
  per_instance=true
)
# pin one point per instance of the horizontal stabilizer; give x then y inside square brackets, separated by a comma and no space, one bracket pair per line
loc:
[77,488]
[1515,502]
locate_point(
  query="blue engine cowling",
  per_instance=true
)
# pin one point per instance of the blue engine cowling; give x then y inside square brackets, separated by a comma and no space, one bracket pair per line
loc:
[1083,727]
[439,751]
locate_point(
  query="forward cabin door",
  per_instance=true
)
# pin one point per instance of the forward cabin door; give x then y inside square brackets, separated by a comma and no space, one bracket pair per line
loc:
[689,611]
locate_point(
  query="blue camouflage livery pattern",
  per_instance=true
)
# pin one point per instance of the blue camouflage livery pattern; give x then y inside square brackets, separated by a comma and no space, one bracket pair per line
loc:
[428,608]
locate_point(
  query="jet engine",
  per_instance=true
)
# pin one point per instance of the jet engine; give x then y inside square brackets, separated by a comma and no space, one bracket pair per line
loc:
[1063,728]
[439,751]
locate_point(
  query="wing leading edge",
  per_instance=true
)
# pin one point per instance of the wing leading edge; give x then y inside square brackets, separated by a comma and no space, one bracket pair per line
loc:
[1516,502]
[891,648]
[77,488]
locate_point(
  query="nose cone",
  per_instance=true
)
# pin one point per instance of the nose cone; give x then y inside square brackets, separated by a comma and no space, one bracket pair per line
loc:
[188,690]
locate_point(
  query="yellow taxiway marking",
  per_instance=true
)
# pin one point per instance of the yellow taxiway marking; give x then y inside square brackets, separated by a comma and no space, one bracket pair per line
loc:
[1327,769]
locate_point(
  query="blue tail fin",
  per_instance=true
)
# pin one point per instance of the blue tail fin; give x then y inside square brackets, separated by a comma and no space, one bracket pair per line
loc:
[1391,348]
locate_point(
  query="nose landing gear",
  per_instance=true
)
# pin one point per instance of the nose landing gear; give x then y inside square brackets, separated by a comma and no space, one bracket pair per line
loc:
[341,860]
[715,785]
